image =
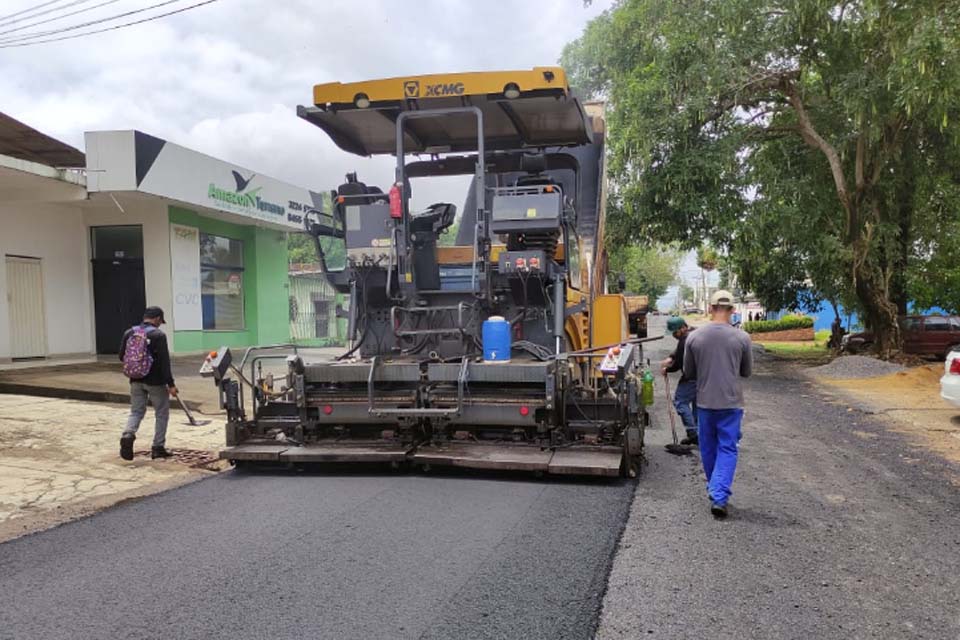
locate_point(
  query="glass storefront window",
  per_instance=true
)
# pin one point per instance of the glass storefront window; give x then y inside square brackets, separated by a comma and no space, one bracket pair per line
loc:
[221,282]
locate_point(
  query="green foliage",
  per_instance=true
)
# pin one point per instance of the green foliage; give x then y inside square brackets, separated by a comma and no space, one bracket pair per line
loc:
[300,249]
[812,142]
[707,258]
[449,237]
[649,270]
[785,323]
[933,277]
[806,352]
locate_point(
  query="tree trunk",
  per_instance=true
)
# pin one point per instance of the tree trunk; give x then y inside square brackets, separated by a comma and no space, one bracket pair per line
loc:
[880,313]
[905,194]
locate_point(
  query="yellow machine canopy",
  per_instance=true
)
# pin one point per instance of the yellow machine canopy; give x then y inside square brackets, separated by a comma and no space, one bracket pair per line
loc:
[520,109]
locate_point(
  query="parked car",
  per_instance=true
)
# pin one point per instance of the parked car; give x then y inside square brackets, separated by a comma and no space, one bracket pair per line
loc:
[922,335]
[950,382]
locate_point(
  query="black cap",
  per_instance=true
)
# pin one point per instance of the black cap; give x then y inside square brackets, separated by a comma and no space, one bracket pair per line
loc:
[154,312]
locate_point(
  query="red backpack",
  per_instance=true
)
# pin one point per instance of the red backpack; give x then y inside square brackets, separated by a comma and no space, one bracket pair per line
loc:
[137,360]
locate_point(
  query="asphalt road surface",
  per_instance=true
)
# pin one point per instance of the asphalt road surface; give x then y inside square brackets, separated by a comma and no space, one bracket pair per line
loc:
[322,556]
[838,529]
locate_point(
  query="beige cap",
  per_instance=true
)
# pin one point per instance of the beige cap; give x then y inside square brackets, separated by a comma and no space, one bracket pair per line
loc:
[721,298]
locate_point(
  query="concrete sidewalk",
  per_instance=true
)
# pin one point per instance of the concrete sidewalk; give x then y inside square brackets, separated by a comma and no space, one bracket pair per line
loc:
[103,381]
[59,460]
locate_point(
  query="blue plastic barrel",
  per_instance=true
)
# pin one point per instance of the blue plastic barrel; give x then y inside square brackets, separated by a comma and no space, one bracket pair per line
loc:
[496,339]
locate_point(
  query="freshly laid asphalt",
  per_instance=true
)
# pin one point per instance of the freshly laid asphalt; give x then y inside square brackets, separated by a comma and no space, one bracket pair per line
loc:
[323,556]
[839,528]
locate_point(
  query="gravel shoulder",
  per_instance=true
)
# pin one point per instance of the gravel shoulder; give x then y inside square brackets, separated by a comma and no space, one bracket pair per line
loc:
[908,402]
[839,527]
[854,366]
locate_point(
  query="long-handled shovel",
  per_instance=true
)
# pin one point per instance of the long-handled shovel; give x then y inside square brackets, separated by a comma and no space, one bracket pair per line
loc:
[675,447]
[200,423]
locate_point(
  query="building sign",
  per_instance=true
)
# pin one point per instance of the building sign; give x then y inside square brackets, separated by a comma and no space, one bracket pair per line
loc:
[246,199]
[135,161]
[185,278]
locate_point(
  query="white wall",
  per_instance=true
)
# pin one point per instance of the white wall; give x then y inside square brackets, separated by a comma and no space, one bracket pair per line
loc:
[55,234]
[152,215]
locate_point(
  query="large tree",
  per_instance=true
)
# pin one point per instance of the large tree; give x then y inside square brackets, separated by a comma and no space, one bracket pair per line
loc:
[649,271]
[804,119]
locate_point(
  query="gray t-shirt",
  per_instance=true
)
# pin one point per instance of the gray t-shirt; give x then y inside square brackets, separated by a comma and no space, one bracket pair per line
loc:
[717,356]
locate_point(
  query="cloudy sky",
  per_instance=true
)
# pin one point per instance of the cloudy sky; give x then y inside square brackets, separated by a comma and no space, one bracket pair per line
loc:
[226,78]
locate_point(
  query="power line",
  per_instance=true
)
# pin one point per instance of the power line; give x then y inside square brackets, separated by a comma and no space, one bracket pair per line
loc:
[22,11]
[61,17]
[40,34]
[118,26]
[5,20]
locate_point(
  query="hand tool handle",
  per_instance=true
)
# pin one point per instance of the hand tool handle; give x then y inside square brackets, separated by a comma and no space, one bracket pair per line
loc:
[673,420]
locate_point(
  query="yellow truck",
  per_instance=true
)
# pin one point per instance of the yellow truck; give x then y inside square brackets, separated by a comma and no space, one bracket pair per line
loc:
[637,308]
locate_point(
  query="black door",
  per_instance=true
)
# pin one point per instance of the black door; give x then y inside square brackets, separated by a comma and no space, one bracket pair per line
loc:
[119,298]
[119,295]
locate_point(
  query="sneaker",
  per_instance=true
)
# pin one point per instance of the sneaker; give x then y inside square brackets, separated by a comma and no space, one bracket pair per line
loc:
[691,440]
[159,452]
[126,446]
[718,510]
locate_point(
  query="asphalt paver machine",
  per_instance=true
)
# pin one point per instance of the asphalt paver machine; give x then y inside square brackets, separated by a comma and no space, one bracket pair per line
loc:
[418,384]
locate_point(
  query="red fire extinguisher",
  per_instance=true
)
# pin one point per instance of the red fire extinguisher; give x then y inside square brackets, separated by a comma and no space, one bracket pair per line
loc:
[396,206]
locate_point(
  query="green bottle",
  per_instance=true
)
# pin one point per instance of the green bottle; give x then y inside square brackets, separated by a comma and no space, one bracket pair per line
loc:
[646,388]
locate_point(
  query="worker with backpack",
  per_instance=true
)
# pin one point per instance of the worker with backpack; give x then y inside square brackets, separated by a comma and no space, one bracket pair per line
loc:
[146,361]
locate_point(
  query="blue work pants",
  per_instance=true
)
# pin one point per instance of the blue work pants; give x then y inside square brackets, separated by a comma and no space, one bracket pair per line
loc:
[719,440]
[685,402]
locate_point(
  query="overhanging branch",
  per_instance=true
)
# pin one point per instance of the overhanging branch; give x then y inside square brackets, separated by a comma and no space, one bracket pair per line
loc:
[813,138]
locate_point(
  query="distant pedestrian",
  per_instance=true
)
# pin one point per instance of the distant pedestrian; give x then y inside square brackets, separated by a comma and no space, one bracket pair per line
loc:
[146,361]
[717,355]
[836,334]
[685,395]
[750,315]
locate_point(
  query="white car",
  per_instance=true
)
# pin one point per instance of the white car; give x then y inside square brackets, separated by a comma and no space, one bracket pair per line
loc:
[950,382]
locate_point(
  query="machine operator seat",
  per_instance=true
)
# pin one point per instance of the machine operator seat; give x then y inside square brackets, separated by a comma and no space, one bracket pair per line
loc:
[353,188]
[425,228]
[535,179]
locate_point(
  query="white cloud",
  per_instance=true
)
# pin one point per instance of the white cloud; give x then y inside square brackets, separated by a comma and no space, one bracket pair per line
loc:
[225,79]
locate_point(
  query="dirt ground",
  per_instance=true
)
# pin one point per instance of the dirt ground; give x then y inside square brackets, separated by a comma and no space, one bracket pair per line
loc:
[911,404]
[59,460]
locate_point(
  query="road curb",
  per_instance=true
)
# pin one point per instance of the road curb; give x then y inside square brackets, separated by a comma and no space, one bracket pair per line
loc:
[84,395]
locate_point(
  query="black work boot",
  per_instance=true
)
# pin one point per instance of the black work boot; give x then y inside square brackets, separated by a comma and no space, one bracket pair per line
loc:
[718,510]
[126,446]
[691,438]
[159,452]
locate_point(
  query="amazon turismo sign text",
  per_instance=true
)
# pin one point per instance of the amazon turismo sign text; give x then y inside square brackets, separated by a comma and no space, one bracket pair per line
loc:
[247,200]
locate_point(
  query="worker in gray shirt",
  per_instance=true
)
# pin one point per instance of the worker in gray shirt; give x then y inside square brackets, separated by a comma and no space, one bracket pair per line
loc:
[718,355]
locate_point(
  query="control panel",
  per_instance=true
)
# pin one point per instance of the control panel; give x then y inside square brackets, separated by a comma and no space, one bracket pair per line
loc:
[216,364]
[618,359]
[368,233]
[532,261]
